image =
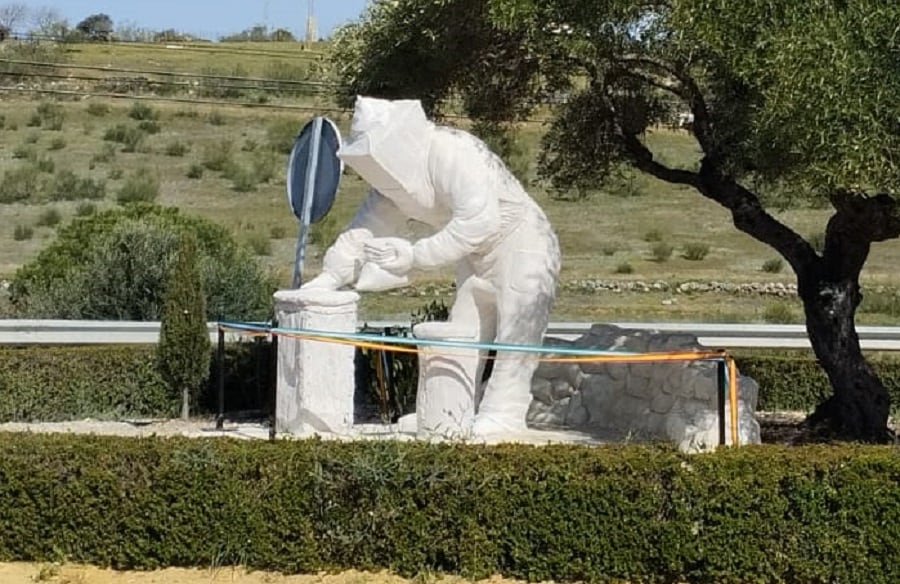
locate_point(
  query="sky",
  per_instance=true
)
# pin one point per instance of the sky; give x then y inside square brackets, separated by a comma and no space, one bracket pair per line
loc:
[208,18]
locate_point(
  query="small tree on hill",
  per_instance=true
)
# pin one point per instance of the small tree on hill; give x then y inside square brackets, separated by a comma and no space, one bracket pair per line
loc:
[96,27]
[183,352]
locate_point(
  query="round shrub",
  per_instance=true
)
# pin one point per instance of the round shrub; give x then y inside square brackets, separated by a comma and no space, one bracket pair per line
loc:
[113,265]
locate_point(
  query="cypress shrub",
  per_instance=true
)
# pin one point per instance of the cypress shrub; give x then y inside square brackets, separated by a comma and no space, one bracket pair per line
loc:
[183,351]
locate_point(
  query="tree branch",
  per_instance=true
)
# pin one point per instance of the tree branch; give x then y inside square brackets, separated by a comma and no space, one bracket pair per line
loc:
[749,216]
[674,78]
[642,158]
[864,217]
[858,221]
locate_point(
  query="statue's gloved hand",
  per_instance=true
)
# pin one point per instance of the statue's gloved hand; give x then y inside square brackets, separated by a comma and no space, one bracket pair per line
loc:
[393,254]
[324,281]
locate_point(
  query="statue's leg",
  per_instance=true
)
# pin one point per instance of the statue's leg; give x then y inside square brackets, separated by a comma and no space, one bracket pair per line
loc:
[525,295]
[475,303]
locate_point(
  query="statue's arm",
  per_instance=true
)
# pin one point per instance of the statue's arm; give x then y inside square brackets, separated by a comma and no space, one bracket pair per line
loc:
[459,171]
[376,217]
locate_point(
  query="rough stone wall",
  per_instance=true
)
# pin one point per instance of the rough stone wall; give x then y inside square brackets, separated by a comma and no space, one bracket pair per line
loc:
[674,401]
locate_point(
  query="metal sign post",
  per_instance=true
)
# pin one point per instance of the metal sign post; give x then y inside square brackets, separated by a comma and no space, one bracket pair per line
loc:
[313,176]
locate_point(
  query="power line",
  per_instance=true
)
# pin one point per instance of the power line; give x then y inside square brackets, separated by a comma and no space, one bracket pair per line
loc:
[159,98]
[274,86]
[160,73]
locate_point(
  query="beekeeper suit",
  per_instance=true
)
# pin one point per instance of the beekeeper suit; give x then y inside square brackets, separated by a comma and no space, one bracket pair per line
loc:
[484,223]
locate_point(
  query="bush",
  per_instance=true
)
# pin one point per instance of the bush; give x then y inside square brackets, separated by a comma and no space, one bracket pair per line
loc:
[20,184]
[52,384]
[779,313]
[48,115]
[217,156]
[183,350]
[130,137]
[609,249]
[812,514]
[624,268]
[141,111]
[195,171]
[65,383]
[325,232]
[793,380]
[259,243]
[49,218]
[653,235]
[263,165]
[85,209]
[97,109]
[662,251]
[280,136]
[149,126]
[696,251]
[141,186]
[216,118]
[67,186]
[112,265]
[24,152]
[45,164]
[773,265]
[177,148]
[57,143]
[106,154]
[243,179]
[887,303]
[22,232]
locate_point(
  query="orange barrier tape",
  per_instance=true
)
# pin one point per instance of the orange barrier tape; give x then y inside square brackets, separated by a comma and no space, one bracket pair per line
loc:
[632,358]
[606,358]
[733,399]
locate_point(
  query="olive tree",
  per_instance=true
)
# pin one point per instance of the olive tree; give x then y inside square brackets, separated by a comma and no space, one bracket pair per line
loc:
[789,101]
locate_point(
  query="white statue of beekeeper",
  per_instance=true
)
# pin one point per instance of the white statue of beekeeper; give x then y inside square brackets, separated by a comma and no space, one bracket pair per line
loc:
[500,241]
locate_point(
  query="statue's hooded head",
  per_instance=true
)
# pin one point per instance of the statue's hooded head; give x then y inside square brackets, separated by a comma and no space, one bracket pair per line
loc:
[388,146]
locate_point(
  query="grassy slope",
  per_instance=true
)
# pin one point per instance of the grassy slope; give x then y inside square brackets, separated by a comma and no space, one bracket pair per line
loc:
[598,236]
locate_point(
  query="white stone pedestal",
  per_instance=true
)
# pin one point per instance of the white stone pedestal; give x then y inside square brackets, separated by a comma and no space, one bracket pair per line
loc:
[314,392]
[445,398]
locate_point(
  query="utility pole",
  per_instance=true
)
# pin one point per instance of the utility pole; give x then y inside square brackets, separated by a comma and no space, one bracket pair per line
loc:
[312,33]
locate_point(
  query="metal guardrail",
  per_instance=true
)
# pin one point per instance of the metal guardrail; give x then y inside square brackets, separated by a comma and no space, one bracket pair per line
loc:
[725,336]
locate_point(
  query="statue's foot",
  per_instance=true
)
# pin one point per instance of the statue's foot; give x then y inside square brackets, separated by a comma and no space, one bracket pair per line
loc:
[493,425]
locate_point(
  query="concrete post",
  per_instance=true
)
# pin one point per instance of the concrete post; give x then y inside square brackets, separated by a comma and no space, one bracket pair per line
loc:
[445,399]
[314,393]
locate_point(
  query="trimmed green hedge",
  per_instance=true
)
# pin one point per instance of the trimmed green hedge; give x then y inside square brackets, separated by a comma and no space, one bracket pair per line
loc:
[51,384]
[114,382]
[796,382]
[565,513]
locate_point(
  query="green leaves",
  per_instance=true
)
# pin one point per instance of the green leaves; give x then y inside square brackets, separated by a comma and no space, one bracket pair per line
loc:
[183,351]
[804,92]
[549,513]
[112,265]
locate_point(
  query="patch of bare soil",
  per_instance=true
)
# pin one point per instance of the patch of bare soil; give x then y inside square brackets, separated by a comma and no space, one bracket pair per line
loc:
[31,573]
[789,428]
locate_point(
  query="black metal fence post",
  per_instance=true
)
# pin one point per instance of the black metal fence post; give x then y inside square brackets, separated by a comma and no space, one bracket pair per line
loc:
[272,415]
[220,356]
[720,398]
